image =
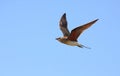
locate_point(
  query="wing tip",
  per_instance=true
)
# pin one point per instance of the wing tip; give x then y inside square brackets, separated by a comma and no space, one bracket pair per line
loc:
[64,14]
[96,19]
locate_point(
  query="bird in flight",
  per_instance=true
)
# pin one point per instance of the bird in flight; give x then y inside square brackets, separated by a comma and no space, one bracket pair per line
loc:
[71,38]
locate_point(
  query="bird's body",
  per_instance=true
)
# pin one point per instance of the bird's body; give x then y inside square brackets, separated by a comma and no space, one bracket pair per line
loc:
[65,40]
[68,42]
[71,38]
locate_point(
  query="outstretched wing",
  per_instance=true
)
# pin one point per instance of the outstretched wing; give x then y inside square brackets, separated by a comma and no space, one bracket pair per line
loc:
[75,33]
[63,25]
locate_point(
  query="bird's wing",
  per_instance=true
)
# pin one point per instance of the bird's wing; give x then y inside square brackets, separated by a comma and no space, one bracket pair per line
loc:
[63,25]
[78,30]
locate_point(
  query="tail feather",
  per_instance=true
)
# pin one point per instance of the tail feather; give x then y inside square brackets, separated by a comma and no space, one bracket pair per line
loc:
[82,46]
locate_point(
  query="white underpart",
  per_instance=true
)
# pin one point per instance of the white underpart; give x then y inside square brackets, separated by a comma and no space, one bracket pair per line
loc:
[72,43]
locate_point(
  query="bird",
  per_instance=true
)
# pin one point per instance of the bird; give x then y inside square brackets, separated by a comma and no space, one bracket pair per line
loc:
[70,38]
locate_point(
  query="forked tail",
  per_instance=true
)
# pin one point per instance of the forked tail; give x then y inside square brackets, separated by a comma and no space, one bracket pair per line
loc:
[82,46]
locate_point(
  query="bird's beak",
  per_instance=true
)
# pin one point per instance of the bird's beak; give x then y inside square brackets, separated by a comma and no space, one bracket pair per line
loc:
[57,38]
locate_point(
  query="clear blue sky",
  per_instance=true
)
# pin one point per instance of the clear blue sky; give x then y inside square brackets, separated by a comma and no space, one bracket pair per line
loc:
[28,29]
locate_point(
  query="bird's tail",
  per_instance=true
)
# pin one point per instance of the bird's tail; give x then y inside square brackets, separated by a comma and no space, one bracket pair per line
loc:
[82,46]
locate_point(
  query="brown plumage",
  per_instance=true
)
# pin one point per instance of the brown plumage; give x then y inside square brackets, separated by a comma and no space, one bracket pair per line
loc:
[71,38]
[63,25]
[75,33]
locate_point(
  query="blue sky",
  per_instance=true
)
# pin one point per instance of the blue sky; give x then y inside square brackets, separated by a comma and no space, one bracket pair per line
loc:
[28,29]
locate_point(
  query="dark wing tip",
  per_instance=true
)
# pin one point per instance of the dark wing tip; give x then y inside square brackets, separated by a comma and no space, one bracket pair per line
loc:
[92,22]
[96,20]
[64,15]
